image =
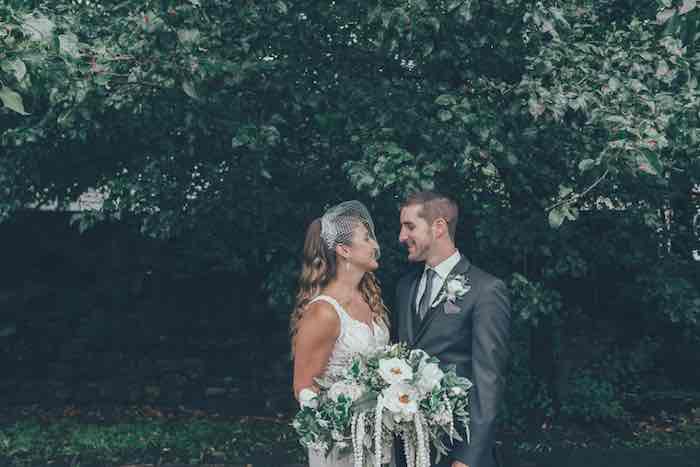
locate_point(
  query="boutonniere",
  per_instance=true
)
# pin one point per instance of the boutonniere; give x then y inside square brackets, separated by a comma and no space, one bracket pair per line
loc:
[455,288]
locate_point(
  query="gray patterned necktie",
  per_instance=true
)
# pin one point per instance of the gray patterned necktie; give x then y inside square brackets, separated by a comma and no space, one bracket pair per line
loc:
[424,303]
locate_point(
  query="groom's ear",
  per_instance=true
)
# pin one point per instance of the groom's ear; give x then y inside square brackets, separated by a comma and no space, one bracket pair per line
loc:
[441,227]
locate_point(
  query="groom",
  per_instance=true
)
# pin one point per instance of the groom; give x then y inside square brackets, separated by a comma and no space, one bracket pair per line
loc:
[469,328]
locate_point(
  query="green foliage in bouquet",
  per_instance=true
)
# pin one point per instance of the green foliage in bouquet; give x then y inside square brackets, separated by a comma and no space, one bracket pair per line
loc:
[417,400]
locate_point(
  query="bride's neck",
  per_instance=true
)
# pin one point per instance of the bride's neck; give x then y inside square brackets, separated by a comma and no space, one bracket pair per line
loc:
[345,284]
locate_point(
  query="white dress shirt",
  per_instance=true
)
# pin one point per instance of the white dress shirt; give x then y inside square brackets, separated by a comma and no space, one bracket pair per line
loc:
[441,270]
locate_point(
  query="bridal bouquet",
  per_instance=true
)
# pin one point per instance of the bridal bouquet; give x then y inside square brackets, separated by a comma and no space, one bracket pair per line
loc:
[391,393]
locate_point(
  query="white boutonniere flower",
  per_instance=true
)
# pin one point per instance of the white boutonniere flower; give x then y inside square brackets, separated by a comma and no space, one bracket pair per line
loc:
[455,288]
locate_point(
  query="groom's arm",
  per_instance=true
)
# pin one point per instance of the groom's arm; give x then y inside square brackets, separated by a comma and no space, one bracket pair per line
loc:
[490,353]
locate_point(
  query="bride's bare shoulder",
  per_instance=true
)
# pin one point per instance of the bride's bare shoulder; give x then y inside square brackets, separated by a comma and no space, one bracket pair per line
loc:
[321,313]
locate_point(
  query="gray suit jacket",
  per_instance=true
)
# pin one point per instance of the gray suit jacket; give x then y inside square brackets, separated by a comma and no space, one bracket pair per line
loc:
[475,339]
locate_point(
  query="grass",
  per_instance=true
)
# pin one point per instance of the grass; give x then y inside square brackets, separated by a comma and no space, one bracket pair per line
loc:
[667,431]
[193,441]
[152,437]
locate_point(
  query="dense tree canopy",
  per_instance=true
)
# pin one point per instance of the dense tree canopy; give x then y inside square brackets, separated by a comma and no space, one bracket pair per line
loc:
[232,123]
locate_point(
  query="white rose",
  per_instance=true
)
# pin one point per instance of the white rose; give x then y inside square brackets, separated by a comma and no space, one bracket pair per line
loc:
[308,398]
[350,390]
[430,377]
[395,370]
[401,399]
[456,391]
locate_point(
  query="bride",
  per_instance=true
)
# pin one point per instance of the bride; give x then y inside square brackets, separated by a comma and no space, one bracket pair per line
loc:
[339,310]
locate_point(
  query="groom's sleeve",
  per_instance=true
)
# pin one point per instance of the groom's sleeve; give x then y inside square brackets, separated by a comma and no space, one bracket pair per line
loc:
[490,353]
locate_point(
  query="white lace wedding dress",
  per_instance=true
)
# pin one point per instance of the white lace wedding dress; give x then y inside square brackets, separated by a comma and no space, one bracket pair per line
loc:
[355,337]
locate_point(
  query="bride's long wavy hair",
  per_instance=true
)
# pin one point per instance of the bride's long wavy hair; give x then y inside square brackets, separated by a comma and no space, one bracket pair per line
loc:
[319,267]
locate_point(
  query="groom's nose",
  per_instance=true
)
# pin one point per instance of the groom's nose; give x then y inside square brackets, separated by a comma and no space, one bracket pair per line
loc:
[402,236]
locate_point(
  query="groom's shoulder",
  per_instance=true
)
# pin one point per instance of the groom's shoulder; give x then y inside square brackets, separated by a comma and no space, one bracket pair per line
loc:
[479,275]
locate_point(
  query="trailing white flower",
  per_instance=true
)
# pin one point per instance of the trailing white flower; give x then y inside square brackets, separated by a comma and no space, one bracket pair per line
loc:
[442,417]
[358,431]
[378,432]
[395,370]
[408,449]
[422,446]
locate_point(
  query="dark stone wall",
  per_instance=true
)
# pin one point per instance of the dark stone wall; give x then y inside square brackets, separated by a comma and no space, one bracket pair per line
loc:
[110,317]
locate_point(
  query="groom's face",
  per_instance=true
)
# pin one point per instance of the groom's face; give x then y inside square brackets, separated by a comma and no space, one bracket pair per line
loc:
[416,234]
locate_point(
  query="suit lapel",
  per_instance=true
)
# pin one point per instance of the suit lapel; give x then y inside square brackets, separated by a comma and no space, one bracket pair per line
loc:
[462,267]
[410,309]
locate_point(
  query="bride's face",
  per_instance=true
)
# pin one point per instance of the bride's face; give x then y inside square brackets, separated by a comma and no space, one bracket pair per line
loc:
[363,251]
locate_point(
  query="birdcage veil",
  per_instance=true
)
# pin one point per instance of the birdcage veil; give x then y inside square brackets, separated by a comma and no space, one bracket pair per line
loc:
[338,223]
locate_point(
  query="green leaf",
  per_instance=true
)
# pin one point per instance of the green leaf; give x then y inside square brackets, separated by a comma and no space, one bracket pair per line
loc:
[281,7]
[68,45]
[12,100]
[586,164]
[38,27]
[8,331]
[688,6]
[188,36]
[188,87]
[664,15]
[444,115]
[565,191]
[445,99]
[556,217]
[15,67]
[489,170]
[650,164]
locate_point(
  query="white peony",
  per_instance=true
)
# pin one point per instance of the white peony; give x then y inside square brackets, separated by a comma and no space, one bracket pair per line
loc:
[349,390]
[401,399]
[430,376]
[395,370]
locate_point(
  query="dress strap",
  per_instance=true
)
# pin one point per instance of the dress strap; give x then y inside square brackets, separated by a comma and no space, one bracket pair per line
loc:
[342,314]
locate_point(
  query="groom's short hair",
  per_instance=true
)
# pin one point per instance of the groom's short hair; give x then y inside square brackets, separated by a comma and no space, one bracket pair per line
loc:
[434,206]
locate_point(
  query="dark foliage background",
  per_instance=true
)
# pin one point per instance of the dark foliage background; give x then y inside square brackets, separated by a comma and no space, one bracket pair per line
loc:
[216,130]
